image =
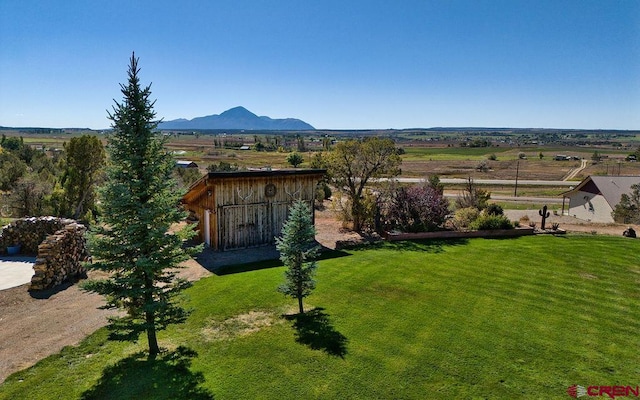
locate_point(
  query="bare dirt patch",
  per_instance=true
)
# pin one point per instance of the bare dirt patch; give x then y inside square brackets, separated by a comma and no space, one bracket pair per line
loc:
[329,230]
[571,224]
[240,325]
[32,328]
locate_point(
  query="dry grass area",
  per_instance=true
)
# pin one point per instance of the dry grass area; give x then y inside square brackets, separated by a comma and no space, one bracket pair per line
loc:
[570,224]
[238,326]
[527,169]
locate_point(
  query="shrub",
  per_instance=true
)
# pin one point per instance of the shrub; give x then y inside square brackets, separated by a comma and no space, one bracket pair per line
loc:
[486,222]
[415,209]
[493,157]
[344,207]
[295,159]
[326,190]
[494,209]
[473,196]
[555,226]
[323,192]
[482,166]
[464,217]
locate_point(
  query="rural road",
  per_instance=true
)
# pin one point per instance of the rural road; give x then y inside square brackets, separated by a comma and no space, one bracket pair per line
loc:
[576,171]
[498,182]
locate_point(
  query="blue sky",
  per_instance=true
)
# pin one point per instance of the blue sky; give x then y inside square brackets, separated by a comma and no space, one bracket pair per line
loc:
[334,64]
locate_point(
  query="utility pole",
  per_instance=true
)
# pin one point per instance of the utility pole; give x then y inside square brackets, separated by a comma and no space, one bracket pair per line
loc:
[515,189]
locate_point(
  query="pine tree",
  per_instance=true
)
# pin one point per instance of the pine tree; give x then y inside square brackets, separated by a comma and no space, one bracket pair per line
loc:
[298,249]
[139,203]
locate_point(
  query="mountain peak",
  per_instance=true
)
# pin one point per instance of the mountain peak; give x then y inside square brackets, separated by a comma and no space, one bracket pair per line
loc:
[237,118]
[238,112]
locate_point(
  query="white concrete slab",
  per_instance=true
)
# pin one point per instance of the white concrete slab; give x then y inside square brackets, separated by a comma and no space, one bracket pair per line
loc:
[15,271]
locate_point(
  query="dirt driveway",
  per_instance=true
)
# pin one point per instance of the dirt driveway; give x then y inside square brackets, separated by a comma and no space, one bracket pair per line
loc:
[33,328]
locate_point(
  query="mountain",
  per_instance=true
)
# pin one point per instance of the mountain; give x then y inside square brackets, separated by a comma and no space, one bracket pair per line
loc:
[237,118]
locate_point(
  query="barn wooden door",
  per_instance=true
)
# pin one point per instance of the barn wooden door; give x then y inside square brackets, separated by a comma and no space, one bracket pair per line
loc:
[250,225]
[242,226]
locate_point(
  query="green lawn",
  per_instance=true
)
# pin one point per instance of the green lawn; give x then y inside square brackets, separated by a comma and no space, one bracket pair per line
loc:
[451,153]
[517,318]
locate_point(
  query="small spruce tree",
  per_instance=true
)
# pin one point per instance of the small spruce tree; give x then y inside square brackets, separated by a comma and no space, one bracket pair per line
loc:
[139,203]
[298,250]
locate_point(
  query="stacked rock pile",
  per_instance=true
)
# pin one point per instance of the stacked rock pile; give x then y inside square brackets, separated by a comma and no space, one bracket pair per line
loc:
[59,243]
[30,232]
[60,258]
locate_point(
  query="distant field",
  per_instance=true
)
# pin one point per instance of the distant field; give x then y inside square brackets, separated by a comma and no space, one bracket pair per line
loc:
[497,319]
[450,153]
[421,158]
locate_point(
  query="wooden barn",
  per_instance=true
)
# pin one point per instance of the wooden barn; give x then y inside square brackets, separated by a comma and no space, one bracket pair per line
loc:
[243,209]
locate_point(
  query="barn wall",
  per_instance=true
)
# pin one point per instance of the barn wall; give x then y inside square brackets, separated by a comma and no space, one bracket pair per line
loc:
[590,207]
[242,213]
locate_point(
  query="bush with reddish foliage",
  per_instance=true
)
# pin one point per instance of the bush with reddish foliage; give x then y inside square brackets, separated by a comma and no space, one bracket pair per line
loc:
[414,209]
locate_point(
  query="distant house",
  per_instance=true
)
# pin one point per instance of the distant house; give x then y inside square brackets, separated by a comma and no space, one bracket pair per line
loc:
[244,209]
[186,164]
[595,197]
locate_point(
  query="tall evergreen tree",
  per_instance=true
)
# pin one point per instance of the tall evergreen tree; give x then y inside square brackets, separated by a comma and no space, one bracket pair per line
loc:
[298,249]
[139,203]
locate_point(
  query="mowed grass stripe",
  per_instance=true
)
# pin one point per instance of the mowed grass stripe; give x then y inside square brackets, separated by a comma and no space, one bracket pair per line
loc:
[521,318]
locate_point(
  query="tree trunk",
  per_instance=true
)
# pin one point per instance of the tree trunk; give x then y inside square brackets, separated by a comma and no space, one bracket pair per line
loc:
[80,207]
[356,214]
[300,295]
[150,319]
[151,335]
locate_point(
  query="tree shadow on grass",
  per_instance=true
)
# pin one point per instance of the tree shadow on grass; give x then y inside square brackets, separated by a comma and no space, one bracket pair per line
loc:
[314,329]
[424,245]
[325,254]
[138,377]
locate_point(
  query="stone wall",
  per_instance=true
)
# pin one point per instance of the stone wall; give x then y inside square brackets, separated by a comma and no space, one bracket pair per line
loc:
[60,245]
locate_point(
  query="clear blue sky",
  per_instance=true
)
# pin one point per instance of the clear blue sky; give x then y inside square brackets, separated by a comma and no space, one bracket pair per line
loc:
[334,64]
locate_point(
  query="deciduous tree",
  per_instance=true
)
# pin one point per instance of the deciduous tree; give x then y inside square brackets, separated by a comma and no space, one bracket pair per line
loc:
[12,168]
[354,164]
[28,196]
[139,203]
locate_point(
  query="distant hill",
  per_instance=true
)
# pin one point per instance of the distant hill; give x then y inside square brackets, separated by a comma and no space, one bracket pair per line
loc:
[237,118]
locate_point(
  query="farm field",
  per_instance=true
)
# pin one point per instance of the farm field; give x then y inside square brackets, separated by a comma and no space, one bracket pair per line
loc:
[420,159]
[519,318]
